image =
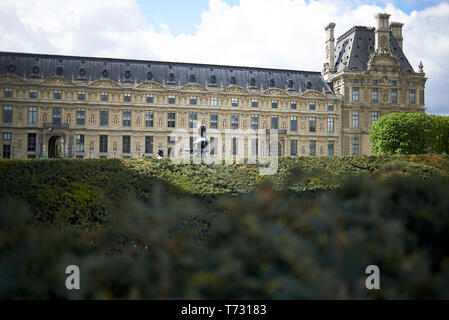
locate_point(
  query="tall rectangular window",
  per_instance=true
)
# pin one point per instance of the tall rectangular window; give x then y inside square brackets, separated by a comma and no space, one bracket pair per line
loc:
[6,151]
[235,102]
[394,96]
[374,117]
[330,106]
[149,119]
[171,99]
[234,146]
[79,143]
[33,94]
[293,123]
[214,101]
[355,118]
[355,94]
[172,140]
[171,120]
[213,146]
[355,146]
[234,121]
[330,125]
[149,144]
[293,105]
[330,148]
[274,122]
[312,148]
[191,143]
[254,103]
[81,95]
[312,124]
[104,117]
[126,145]
[127,97]
[57,94]
[6,145]
[255,147]
[150,98]
[7,114]
[193,100]
[374,95]
[57,116]
[126,118]
[192,119]
[293,147]
[81,117]
[412,97]
[9,92]
[104,96]
[254,122]
[214,121]
[32,115]
[312,106]
[31,142]
[274,104]
[103,144]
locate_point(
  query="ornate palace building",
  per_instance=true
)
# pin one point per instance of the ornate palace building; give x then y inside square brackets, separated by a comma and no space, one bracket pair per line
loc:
[81,107]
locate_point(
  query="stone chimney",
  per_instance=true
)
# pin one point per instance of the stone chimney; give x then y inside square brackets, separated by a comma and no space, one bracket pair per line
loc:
[396,31]
[330,46]
[382,33]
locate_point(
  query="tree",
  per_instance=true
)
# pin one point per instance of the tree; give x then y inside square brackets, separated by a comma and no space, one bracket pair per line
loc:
[410,133]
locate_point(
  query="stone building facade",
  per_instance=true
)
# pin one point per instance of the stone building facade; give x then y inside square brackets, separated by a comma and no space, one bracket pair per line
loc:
[80,107]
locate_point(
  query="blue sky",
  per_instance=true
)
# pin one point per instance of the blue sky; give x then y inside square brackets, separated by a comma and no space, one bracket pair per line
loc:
[180,16]
[183,16]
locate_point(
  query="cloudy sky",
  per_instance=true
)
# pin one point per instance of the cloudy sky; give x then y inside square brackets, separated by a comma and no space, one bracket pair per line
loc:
[263,33]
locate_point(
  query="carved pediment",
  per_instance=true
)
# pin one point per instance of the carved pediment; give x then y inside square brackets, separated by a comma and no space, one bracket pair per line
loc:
[194,87]
[150,85]
[275,92]
[382,58]
[59,81]
[235,89]
[312,94]
[105,83]
[10,78]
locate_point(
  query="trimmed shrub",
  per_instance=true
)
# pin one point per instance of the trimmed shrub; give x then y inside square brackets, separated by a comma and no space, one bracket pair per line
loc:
[410,133]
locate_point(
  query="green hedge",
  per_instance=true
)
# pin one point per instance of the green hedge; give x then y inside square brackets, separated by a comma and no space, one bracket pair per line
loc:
[82,192]
[410,133]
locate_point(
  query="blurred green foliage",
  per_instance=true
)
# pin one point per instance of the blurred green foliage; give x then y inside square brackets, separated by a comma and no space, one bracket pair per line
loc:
[410,133]
[144,229]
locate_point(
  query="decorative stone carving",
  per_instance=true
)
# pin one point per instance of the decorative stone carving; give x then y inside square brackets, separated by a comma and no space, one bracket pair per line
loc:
[150,85]
[57,81]
[104,84]
[194,87]
[236,90]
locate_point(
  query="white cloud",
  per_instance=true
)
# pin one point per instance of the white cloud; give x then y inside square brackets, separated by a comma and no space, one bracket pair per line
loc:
[269,33]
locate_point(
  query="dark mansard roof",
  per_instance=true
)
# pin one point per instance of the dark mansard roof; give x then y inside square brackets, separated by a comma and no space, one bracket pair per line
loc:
[88,68]
[357,44]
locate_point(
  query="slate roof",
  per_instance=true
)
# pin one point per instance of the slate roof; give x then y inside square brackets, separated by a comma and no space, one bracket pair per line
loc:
[34,65]
[357,44]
